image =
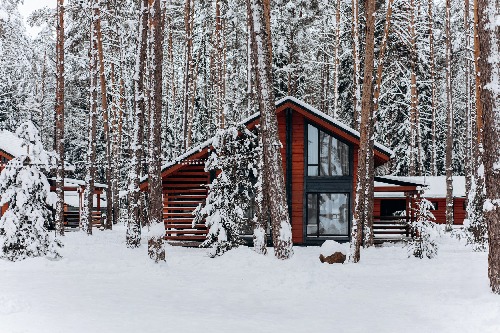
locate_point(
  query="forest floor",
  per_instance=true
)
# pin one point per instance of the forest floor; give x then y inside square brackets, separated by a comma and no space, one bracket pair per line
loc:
[101,286]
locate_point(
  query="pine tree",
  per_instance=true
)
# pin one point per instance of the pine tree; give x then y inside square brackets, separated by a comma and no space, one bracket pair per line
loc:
[59,121]
[24,187]
[133,237]
[229,196]
[424,232]
[365,173]
[273,178]
[489,66]
[449,124]
[156,250]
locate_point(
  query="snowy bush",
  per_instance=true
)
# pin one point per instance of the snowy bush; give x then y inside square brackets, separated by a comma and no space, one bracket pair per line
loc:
[24,187]
[231,192]
[424,232]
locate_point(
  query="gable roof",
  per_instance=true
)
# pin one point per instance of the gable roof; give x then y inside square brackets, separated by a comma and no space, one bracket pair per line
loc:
[281,104]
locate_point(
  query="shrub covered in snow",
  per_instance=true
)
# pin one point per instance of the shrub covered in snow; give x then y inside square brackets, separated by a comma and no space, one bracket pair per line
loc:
[424,231]
[24,187]
[230,193]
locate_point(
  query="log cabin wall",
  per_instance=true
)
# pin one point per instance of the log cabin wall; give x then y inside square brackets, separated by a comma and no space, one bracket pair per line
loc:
[183,191]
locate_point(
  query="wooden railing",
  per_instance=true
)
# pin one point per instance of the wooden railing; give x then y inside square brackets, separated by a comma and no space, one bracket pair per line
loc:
[387,228]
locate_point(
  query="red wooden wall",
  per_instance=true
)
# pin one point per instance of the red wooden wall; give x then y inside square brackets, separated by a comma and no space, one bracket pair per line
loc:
[439,214]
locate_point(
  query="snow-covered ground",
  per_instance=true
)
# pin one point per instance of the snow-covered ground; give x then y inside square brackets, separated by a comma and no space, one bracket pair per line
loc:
[101,286]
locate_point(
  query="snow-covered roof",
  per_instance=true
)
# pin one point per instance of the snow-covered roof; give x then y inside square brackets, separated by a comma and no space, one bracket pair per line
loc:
[255,116]
[72,199]
[11,144]
[433,186]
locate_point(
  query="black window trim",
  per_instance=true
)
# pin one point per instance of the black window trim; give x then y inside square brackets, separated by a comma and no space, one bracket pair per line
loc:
[306,152]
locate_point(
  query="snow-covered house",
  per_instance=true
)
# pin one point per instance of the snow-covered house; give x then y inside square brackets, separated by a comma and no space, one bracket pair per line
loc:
[319,160]
[11,147]
[433,189]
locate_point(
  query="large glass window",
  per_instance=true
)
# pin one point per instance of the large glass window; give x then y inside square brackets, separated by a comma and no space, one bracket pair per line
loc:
[327,214]
[326,156]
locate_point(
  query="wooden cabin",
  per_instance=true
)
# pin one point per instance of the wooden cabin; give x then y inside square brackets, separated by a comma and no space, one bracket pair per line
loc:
[11,147]
[320,157]
[433,189]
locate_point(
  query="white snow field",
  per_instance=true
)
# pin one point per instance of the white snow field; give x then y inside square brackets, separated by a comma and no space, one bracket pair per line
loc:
[101,286]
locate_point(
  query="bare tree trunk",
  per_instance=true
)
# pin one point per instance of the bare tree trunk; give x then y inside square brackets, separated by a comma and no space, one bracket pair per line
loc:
[274,182]
[414,131]
[356,98]
[365,159]
[104,106]
[489,66]
[188,24]
[469,160]
[449,124]
[156,250]
[88,194]
[59,113]
[336,62]
[133,237]
[434,171]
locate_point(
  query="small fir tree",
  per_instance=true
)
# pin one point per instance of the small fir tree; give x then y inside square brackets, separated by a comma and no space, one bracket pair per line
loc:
[24,187]
[231,191]
[424,231]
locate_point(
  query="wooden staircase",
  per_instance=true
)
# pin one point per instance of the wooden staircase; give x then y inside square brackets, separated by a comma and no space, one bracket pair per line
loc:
[390,228]
[183,191]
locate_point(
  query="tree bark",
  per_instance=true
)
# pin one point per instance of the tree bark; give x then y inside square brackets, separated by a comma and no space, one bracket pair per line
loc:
[434,170]
[356,98]
[274,181]
[88,203]
[489,66]
[133,237]
[155,243]
[365,159]
[104,106]
[449,124]
[59,114]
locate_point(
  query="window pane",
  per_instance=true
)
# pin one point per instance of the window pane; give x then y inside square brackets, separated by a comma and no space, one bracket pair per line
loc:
[312,170]
[333,214]
[312,215]
[312,148]
[334,156]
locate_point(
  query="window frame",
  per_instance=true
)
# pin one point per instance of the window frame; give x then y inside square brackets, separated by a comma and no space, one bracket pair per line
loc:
[326,236]
[349,145]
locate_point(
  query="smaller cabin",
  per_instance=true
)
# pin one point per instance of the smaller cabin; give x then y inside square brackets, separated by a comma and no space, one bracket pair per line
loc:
[11,147]
[434,189]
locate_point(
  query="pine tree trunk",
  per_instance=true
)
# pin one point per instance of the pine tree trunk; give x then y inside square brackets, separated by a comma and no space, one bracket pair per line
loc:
[449,124]
[489,66]
[469,160]
[133,237]
[356,98]
[477,224]
[273,164]
[364,198]
[414,123]
[88,200]
[336,61]
[434,170]
[104,106]
[155,242]
[59,115]
[188,24]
